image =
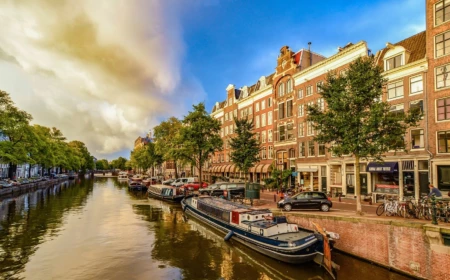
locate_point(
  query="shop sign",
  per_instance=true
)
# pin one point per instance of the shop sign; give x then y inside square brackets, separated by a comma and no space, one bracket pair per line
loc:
[389,189]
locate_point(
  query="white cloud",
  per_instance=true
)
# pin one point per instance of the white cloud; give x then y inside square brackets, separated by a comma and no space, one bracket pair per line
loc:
[103,73]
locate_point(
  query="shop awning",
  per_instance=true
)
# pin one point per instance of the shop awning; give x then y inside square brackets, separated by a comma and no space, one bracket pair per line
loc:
[266,168]
[222,168]
[303,168]
[382,167]
[259,168]
[252,169]
[232,168]
[227,169]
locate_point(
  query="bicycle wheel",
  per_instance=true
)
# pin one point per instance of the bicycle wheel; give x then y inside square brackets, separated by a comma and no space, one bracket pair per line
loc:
[380,209]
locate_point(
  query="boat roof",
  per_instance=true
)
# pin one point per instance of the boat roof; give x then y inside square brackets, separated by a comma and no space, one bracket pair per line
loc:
[230,206]
[159,186]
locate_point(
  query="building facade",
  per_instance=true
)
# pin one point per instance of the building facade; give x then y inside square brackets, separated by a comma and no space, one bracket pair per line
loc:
[416,69]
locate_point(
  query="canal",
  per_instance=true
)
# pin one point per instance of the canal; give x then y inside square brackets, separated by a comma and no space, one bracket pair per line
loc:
[97,229]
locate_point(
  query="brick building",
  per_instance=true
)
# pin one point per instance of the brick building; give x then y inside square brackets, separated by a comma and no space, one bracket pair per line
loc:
[416,70]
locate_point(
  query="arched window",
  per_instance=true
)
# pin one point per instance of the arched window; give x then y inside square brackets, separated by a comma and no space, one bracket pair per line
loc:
[281,89]
[289,86]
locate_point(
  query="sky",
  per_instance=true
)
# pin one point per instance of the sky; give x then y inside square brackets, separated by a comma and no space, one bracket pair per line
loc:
[108,71]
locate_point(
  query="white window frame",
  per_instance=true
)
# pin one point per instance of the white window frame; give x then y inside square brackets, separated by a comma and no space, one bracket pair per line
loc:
[421,139]
[263,120]
[269,136]
[411,85]
[396,87]
[309,90]
[280,89]
[257,121]
[301,110]
[269,118]
[301,129]
[257,107]
[263,137]
[445,78]
[300,94]
[263,104]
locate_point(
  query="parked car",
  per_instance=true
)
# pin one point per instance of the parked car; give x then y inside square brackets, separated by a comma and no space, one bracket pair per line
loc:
[306,200]
[193,186]
[181,181]
[168,182]
[14,182]
[218,189]
[5,184]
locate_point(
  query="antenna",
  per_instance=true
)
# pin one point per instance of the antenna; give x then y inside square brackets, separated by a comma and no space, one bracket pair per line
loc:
[309,51]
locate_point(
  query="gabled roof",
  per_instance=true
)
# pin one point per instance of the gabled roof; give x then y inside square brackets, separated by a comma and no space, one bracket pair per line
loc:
[415,44]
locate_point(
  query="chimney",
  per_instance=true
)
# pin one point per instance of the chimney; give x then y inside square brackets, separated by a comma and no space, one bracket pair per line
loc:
[309,51]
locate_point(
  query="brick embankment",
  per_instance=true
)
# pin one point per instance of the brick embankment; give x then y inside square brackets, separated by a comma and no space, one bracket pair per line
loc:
[414,247]
[30,187]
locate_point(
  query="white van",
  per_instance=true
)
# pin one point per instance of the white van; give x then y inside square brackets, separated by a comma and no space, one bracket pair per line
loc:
[181,181]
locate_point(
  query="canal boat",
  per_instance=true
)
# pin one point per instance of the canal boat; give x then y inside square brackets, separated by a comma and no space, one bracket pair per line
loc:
[260,230]
[123,176]
[137,186]
[167,193]
[137,178]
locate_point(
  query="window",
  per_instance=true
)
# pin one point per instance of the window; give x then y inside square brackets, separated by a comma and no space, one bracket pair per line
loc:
[250,110]
[263,137]
[310,128]
[398,109]
[235,113]
[301,111]
[231,129]
[289,108]
[309,91]
[269,102]
[417,141]
[291,153]
[289,86]
[416,85]
[442,12]
[226,130]
[226,117]
[230,101]
[442,44]
[256,121]
[417,104]
[281,133]
[290,131]
[280,89]
[444,141]
[263,120]
[263,105]
[300,94]
[269,118]
[221,132]
[318,86]
[394,62]
[301,149]
[395,90]
[269,135]
[257,136]
[311,151]
[321,149]
[281,111]
[264,153]
[301,129]
[442,78]
[257,107]
[270,151]
[321,104]
[443,109]
[310,104]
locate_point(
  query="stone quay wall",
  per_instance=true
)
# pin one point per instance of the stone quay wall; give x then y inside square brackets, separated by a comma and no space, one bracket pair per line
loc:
[30,187]
[413,248]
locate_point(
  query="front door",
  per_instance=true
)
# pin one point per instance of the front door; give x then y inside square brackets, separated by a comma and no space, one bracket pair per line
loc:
[423,183]
[363,183]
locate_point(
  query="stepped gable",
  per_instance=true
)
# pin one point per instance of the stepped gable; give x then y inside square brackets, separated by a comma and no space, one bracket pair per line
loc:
[415,44]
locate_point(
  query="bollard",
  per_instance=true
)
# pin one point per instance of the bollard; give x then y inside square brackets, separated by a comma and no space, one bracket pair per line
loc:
[433,210]
[274,198]
[340,199]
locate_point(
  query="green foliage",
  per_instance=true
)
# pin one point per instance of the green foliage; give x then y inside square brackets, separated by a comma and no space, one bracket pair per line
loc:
[145,157]
[244,147]
[198,137]
[102,164]
[119,163]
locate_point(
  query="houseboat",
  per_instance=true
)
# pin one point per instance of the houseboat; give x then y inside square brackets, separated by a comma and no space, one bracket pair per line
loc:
[164,192]
[123,176]
[137,186]
[260,230]
[137,178]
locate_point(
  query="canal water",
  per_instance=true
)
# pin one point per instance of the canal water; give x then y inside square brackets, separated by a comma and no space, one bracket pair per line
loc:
[97,229]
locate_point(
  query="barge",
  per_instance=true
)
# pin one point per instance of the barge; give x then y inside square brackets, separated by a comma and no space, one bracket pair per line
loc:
[260,230]
[167,193]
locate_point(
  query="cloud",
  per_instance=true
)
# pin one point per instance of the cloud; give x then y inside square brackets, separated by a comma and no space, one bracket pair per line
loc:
[103,72]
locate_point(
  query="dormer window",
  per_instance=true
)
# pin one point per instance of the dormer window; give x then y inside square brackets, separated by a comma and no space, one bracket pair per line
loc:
[393,62]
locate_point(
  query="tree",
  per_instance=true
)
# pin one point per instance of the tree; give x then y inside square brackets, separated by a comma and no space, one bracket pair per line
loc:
[82,155]
[119,163]
[198,138]
[244,147]
[166,144]
[14,126]
[102,164]
[356,122]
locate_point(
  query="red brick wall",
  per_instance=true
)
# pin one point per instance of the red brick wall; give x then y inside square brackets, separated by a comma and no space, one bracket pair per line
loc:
[394,245]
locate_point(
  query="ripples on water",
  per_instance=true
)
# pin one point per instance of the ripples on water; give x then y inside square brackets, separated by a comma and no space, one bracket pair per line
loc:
[97,229]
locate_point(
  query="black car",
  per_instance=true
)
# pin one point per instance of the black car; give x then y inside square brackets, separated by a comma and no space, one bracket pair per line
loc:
[306,200]
[225,189]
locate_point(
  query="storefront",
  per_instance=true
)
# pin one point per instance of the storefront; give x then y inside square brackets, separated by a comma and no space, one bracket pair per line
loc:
[385,178]
[308,177]
[443,177]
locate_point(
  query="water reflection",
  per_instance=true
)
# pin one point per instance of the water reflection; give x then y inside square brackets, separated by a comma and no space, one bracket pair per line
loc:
[98,229]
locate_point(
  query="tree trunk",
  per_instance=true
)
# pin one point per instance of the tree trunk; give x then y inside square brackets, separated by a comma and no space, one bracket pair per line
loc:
[12,169]
[29,171]
[176,170]
[357,186]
